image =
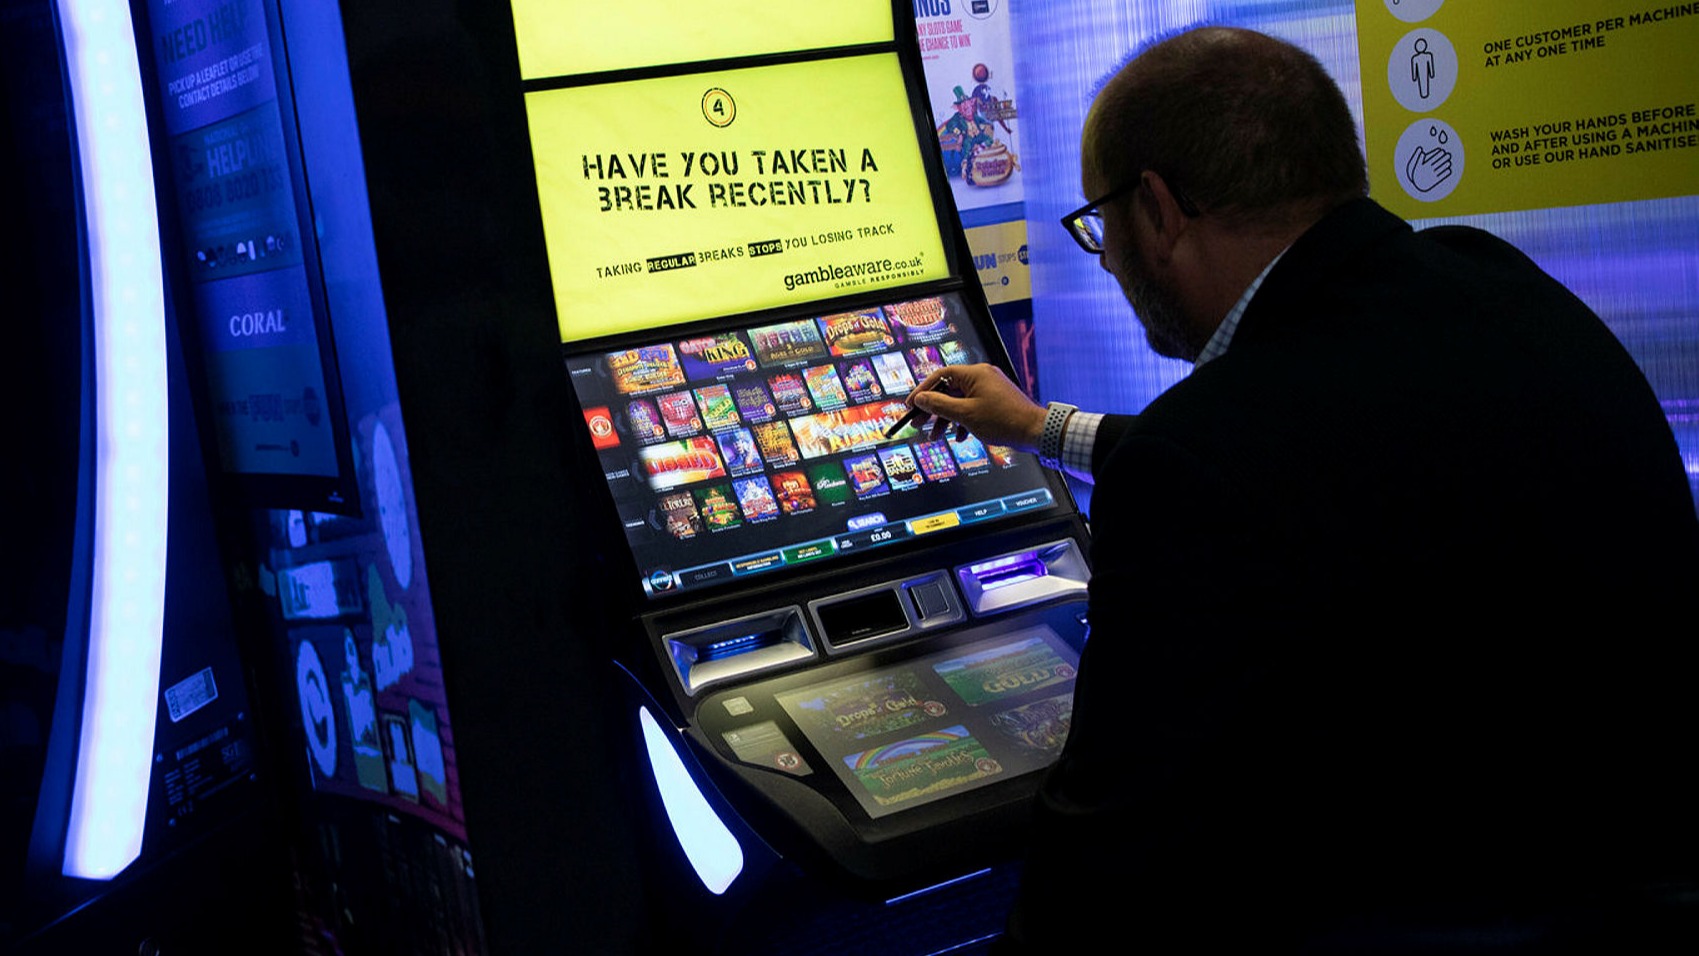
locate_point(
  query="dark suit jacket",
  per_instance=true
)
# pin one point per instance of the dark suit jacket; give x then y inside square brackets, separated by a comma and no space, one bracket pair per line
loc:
[1391,615]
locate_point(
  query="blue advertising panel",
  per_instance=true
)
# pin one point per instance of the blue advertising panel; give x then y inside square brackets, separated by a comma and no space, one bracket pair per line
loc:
[271,390]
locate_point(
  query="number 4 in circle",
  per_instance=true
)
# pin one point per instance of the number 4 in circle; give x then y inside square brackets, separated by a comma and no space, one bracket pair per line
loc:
[718,107]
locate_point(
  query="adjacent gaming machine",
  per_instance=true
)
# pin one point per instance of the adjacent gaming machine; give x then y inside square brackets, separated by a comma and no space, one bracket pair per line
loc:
[852,654]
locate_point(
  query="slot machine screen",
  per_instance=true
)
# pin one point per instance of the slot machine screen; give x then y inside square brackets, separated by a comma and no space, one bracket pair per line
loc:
[759,448]
[668,199]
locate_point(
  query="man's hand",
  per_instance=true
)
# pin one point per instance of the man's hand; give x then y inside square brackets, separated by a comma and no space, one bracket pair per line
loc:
[985,402]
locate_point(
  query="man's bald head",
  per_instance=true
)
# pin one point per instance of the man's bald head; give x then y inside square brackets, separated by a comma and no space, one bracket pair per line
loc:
[1248,128]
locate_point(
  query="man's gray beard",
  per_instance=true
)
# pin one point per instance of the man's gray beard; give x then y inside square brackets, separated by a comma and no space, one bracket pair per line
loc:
[1165,326]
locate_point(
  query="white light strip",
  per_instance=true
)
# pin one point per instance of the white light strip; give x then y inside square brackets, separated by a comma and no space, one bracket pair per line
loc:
[708,843]
[127,600]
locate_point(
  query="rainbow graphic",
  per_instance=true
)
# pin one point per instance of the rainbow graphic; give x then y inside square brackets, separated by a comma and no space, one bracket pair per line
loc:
[906,749]
[923,767]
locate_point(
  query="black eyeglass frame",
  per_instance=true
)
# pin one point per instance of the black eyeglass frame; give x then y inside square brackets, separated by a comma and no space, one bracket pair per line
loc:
[1074,222]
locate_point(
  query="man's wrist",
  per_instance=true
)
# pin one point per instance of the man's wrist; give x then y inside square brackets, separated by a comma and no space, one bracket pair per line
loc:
[1050,435]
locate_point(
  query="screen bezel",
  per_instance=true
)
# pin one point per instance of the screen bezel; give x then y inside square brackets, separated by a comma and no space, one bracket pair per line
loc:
[904,44]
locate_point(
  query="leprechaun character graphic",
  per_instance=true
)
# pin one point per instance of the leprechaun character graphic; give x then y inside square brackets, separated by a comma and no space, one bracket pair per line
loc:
[969,137]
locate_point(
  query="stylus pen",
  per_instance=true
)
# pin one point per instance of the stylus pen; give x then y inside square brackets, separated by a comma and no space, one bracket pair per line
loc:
[914,413]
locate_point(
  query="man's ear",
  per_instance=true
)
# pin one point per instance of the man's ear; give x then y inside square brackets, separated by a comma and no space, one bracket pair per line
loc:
[1163,210]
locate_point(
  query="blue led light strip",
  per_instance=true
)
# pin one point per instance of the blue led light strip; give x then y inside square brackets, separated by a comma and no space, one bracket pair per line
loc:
[126,298]
[904,898]
[708,844]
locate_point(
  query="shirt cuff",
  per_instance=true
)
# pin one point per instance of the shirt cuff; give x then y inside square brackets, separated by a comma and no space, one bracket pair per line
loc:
[1078,441]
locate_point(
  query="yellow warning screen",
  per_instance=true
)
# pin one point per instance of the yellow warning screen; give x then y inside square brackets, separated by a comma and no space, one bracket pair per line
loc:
[558,38]
[678,198]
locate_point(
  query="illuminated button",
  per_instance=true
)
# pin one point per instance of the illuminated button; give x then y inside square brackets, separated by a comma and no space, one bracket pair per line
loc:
[759,562]
[990,509]
[871,520]
[948,519]
[696,577]
[807,552]
[1028,501]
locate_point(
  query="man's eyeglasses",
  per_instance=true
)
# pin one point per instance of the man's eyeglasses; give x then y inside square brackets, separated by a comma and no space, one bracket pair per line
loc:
[1085,224]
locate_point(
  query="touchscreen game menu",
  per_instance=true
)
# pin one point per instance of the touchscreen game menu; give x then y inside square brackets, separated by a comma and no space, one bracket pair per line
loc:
[748,450]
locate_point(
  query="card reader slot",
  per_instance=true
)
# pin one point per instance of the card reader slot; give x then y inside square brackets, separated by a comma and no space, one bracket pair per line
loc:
[1022,578]
[742,644]
[1015,574]
[737,648]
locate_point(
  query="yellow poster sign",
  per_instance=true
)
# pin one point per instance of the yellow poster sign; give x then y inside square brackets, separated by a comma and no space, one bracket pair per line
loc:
[557,38]
[678,198]
[1490,107]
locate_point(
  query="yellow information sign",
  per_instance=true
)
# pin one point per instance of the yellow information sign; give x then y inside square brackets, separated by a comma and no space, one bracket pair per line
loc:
[1490,107]
[999,255]
[571,37]
[677,198]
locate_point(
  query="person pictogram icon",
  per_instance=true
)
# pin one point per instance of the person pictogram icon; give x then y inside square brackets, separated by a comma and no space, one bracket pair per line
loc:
[1422,67]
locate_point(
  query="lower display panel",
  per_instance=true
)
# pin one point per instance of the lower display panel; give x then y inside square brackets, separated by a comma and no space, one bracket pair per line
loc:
[889,732]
